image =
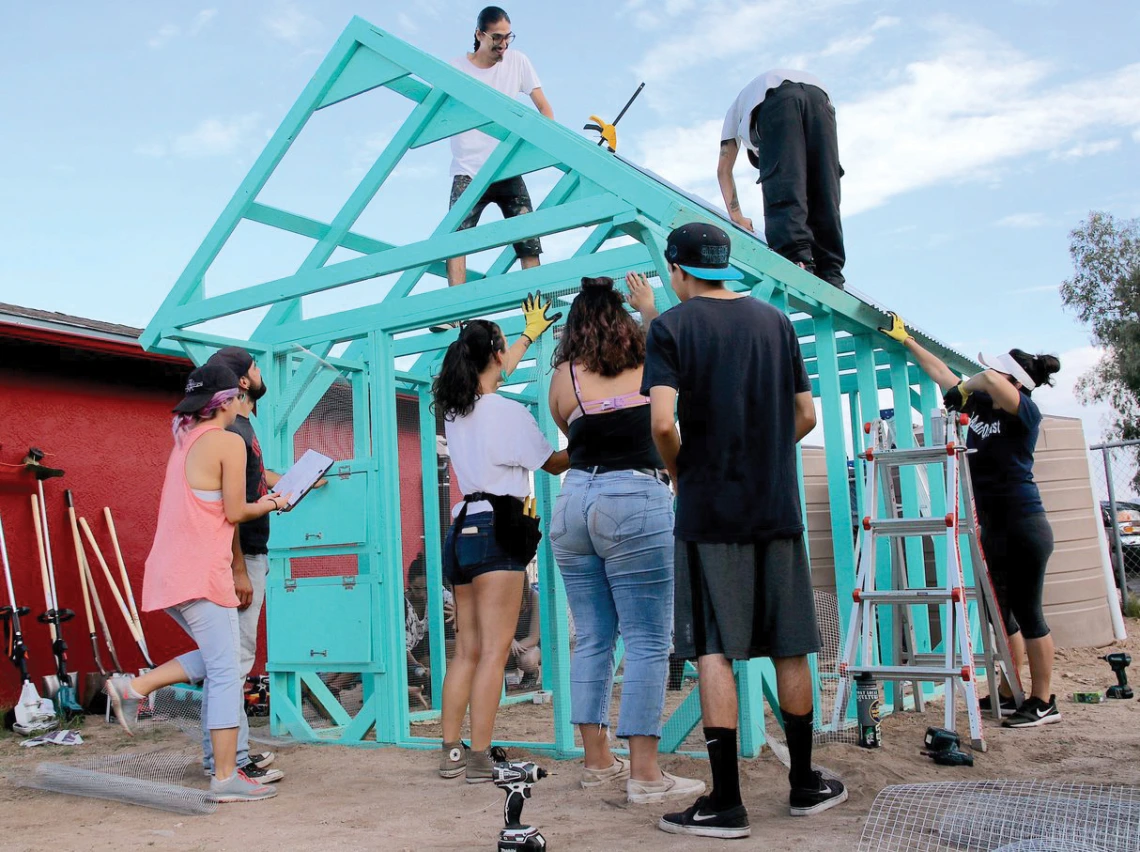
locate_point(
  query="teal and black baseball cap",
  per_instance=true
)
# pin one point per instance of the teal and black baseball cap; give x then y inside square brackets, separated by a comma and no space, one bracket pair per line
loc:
[703,251]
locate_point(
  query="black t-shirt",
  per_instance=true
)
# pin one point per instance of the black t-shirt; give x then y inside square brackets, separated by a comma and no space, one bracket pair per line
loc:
[737,367]
[1002,467]
[254,534]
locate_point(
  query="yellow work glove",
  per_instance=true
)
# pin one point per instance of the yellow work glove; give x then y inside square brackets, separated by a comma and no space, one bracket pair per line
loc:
[955,398]
[534,312]
[897,329]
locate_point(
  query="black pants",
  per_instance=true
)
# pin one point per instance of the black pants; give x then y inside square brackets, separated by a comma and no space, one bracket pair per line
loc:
[799,173]
[1017,551]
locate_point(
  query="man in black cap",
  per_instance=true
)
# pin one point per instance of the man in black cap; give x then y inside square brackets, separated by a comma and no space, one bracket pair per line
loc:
[786,123]
[732,366]
[251,548]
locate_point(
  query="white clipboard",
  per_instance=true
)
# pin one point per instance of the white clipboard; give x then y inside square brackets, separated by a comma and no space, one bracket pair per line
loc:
[301,477]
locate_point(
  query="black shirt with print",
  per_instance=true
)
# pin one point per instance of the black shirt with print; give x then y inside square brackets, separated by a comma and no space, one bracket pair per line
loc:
[254,534]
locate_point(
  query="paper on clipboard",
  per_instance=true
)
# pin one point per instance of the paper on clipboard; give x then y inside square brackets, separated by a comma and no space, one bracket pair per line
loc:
[300,478]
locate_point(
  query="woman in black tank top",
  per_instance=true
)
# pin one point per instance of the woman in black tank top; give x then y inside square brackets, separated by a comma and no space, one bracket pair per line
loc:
[612,535]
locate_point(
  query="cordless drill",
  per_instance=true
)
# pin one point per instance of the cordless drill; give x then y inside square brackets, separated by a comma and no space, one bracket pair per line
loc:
[1119,662]
[517,779]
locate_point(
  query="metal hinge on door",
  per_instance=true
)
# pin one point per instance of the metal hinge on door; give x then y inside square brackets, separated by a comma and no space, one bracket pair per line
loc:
[348,582]
[290,585]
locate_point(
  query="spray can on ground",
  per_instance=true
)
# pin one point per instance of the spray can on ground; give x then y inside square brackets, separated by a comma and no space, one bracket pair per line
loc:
[867,704]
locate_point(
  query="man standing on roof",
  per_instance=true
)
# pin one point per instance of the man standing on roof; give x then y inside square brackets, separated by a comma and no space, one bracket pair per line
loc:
[786,123]
[510,72]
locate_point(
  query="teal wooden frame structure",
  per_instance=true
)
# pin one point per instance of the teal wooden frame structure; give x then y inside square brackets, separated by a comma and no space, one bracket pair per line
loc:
[356,624]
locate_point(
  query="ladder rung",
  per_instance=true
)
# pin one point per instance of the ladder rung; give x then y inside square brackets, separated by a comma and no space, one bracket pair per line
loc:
[906,526]
[932,659]
[907,672]
[907,596]
[916,455]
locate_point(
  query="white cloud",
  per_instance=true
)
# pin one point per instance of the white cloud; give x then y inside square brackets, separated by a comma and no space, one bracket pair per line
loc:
[885,21]
[1022,220]
[1087,149]
[406,23]
[215,136]
[165,33]
[201,20]
[156,150]
[725,29]
[1060,399]
[290,24]
[1042,288]
[971,109]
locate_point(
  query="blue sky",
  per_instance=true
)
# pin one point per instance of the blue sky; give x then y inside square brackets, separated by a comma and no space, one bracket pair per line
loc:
[974,135]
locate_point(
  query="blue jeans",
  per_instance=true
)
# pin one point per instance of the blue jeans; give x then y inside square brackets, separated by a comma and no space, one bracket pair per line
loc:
[216,665]
[612,535]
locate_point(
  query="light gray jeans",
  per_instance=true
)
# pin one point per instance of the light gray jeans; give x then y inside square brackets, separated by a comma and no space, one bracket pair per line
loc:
[257,566]
[214,630]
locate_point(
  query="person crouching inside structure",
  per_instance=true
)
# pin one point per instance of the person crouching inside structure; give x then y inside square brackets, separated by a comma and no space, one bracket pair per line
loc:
[731,367]
[494,444]
[612,534]
[188,571]
[1017,539]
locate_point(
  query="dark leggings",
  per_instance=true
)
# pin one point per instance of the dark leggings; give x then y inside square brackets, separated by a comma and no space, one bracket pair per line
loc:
[1017,551]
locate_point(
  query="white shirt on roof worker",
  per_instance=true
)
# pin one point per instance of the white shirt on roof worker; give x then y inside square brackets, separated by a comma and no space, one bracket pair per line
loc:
[514,75]
[738,119]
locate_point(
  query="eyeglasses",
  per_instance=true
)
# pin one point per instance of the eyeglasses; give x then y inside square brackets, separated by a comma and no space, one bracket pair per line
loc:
[501,38]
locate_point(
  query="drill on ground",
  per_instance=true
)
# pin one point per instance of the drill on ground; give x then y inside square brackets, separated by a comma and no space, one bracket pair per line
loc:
[1119,662]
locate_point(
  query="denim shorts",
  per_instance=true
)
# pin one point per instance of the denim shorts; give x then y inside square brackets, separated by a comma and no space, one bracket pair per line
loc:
[472,550]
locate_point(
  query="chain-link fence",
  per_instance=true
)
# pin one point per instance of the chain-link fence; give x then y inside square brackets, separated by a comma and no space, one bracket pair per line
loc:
[1116,481]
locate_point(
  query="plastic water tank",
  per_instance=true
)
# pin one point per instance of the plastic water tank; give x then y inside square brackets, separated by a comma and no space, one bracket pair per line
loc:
[1076,602]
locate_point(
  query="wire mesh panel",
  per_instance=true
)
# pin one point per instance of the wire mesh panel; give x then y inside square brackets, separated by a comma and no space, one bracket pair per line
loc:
[827,616]
[1003,816]
[1116,484]
[320,396]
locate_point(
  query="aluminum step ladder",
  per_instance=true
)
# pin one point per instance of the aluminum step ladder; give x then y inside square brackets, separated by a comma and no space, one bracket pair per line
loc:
[957,664]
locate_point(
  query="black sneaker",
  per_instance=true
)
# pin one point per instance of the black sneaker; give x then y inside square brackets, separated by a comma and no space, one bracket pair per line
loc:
[1007,705]
[262,759]
[805,801]
[1034,713]
[700,820]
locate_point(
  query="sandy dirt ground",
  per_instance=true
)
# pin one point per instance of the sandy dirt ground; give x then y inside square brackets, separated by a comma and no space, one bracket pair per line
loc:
[389,799]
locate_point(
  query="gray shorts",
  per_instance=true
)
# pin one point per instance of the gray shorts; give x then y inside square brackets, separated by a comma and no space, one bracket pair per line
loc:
[744,600]
[512,199]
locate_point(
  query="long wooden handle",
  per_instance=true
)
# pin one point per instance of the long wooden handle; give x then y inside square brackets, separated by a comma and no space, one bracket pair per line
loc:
[43,561]
[79,559]
[110,579]
[122,569]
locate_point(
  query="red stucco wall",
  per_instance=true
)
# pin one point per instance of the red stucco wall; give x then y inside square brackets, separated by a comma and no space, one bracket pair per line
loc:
[111,436]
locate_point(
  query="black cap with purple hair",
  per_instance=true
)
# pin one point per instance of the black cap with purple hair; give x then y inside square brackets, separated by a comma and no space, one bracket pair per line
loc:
[203,384]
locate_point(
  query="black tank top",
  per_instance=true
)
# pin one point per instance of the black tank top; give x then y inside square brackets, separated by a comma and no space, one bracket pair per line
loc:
[619,439]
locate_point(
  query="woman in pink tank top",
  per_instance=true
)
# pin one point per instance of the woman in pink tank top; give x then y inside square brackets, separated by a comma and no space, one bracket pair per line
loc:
[189,575]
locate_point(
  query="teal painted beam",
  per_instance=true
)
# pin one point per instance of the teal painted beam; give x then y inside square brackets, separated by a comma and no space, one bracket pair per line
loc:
[458,211]
[189,283]
[576,214]
[311,228]
[480,298]
[839,498]
[433,550]
[360,198]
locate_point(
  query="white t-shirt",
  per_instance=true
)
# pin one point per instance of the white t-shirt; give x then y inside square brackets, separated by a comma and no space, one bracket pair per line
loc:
[513,76]
[494,449]
[738,119]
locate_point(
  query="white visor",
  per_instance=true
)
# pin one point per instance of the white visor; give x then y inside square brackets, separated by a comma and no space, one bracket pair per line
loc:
[1005,363]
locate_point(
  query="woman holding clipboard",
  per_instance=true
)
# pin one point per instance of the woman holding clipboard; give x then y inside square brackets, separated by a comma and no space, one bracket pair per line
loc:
[188,571]
[494,444]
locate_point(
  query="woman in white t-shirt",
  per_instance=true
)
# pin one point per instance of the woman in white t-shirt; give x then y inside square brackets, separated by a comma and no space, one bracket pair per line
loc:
[494,444]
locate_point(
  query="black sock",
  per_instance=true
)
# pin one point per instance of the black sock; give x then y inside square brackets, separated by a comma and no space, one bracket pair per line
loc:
[721,744]
[798,730]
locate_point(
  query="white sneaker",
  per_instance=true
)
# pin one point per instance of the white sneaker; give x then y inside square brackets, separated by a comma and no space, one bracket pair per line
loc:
[238,788]
[618,771]
[669,787]
[118,690]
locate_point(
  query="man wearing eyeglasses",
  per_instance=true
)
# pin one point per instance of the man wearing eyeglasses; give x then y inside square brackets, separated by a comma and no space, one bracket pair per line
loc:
[511,73]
